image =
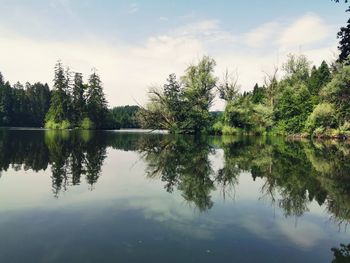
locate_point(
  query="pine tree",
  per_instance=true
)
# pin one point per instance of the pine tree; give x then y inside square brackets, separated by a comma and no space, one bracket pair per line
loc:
[173,98]
[96,101]
[60,101]
[344,43]
[319,78]
[6,102]
[78,99]
[2,81]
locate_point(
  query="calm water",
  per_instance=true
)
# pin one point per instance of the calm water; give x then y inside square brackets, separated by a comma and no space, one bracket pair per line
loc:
[132,197]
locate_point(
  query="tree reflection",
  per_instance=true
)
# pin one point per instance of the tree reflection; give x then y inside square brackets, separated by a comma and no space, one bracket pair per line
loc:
[342,254]
[297,172]
[182,163]
[71,155]
[293,173]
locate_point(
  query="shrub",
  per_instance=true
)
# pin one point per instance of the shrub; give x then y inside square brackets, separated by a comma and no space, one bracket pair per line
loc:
[87,124]
[65,125]
[345,126]
[218,127]
[58,125]
[228,130]
[323,116]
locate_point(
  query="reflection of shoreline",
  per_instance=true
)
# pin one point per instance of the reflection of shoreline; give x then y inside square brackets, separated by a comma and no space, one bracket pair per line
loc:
[294,173]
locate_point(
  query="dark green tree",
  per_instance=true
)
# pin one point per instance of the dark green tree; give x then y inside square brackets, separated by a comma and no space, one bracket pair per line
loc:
[319,78]
[258,94]
[344,43]
[60,100]
[95,101]
[78,99]
[6,103]
[125,116]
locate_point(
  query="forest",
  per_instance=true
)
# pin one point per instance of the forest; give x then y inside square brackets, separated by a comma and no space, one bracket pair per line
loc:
[70,104]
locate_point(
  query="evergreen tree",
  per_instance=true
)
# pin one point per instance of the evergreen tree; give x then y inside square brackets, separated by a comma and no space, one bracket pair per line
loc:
[39,102]
[125,116]
[6,101]
[60,101]
[259,94]
[96,101]
[173,97]
[78,99]
[2,81]
[319,78]
[344,43]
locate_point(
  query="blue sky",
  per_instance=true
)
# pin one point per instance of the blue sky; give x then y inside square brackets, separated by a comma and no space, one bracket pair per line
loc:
[136,44]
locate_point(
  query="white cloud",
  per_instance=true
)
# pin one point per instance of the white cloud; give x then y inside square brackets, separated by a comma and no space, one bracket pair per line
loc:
[262,35]
[307,30]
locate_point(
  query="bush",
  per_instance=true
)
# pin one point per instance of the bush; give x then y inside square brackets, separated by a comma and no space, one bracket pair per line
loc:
[218,127]
[228,130]
[345,126]
[323,116]
[319,132]
[58,125]
[65,125]
[87,124]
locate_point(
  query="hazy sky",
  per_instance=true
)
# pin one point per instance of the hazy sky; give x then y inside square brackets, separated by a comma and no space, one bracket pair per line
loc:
[136,44]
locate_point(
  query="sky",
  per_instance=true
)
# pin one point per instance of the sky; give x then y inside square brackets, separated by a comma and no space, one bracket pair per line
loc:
[136,44]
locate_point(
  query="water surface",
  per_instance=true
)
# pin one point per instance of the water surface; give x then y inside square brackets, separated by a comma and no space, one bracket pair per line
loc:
[131,197]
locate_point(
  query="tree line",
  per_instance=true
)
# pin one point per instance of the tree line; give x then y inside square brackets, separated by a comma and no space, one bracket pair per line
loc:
[70,104]
[23,105]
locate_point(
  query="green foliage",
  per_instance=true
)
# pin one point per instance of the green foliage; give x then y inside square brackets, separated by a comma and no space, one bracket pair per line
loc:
[292,108]
[229,130]
[183,107]
[229,88]
[297,69]
[65,124]
[337,92]
[199,82]
[319,78]
[344,40]
[82,105]
[125,116]
[238,114]
[259,94]
[78,99]
[323,116]
[218,127]
[96,102]
[286,106]
[87,124]
[23,105]
[60,101]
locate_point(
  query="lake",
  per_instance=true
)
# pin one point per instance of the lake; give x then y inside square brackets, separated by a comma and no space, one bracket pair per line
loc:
[80,196]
